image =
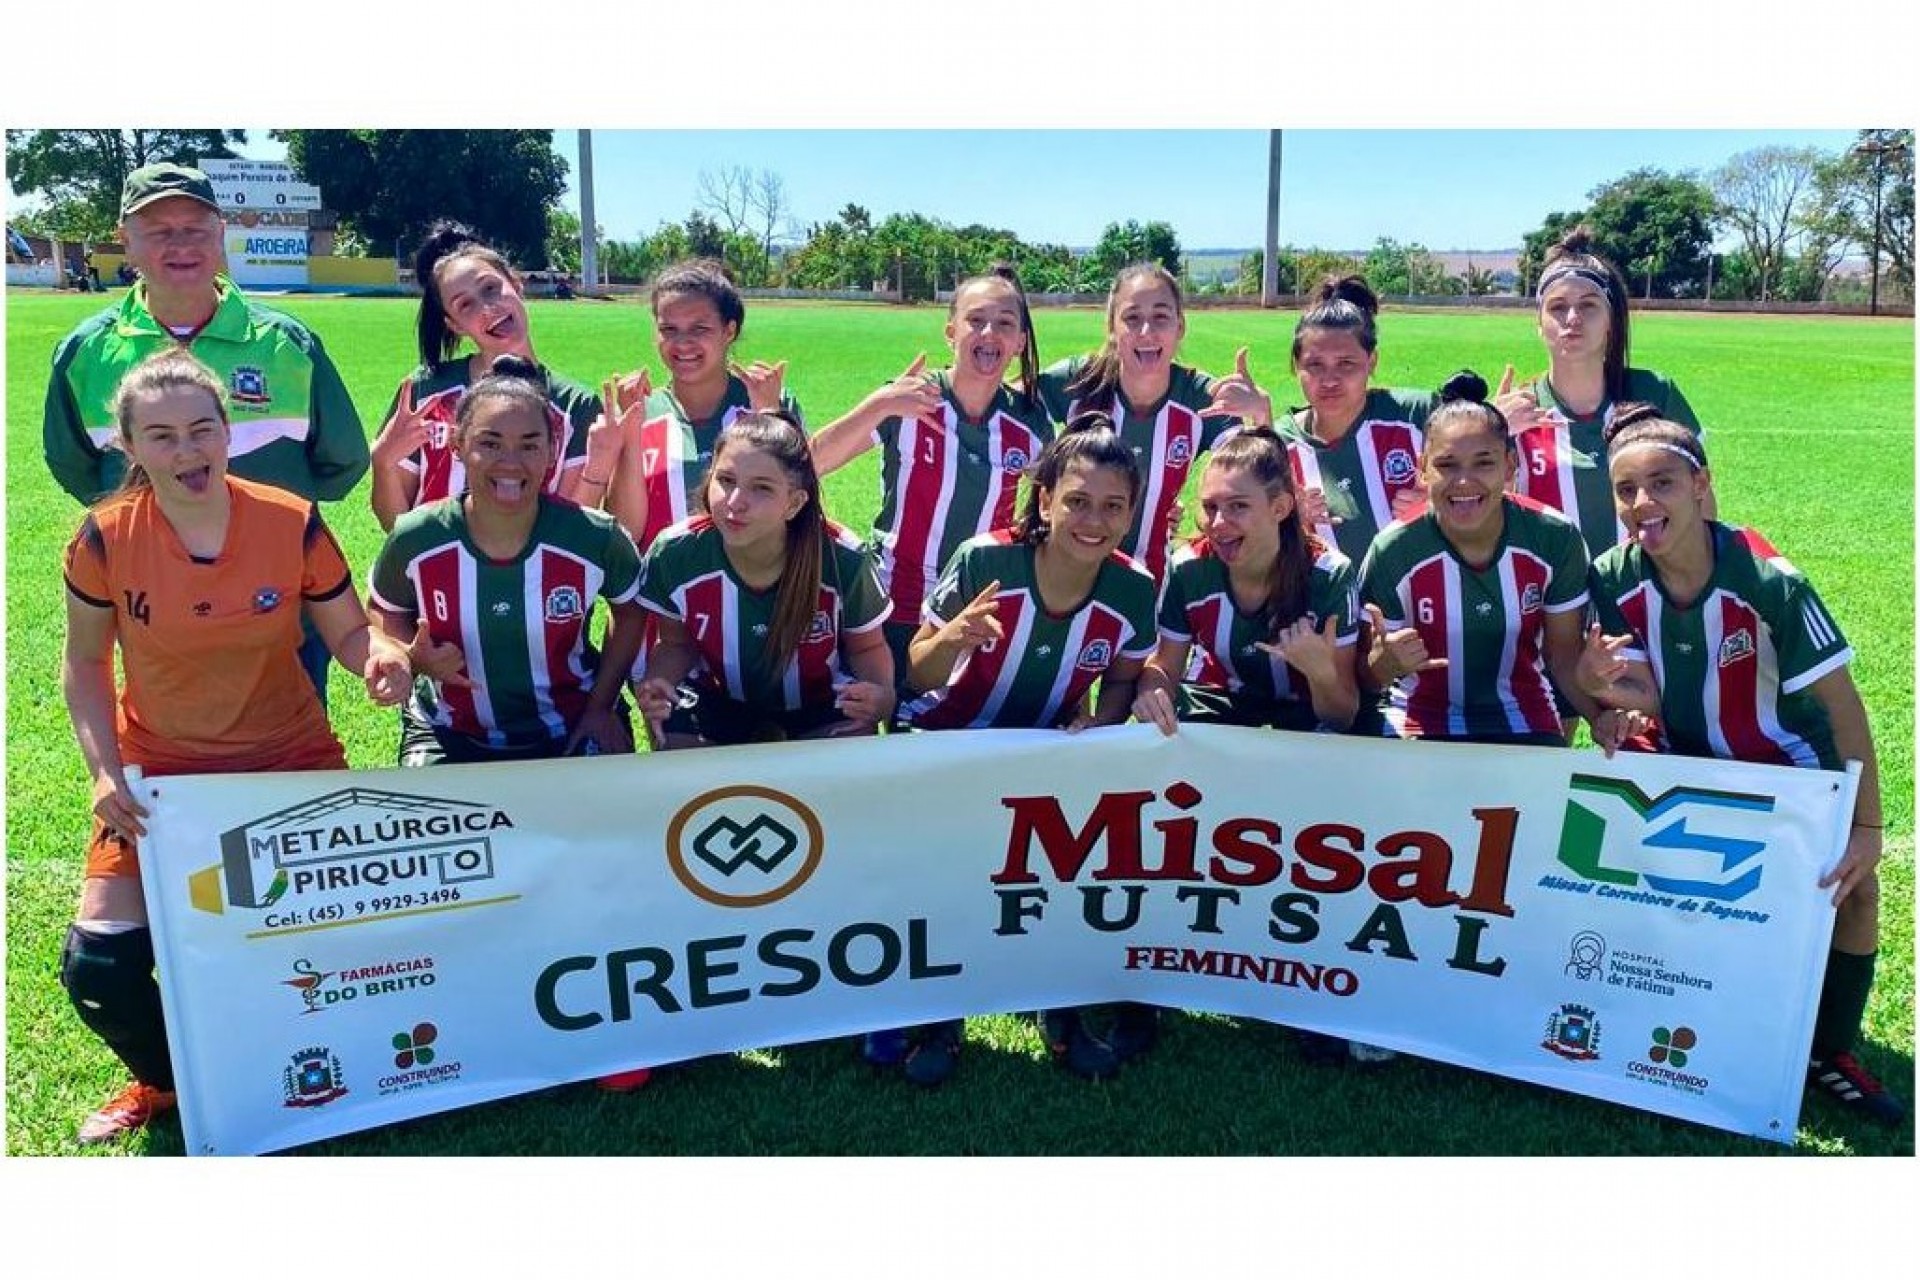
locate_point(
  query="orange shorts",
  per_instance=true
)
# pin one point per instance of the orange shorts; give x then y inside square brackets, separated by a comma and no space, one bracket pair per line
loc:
[109,853]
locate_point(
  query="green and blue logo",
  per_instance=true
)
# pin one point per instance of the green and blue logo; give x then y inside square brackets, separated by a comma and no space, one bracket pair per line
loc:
[1678,842]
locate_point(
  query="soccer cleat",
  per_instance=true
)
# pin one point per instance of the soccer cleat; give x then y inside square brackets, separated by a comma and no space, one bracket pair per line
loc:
[1136,1029]
[134,1107]
[1843,1079]
[626,1081]
[935,1056]
[1072,1047]
[884,1048]
[1368,1055]
[1320,1049]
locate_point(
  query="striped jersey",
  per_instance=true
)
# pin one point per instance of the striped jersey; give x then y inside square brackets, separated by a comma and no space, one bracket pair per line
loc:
[1035,675]
[675,450]
[1362,471]
[1563,462]
[1488,623]
[1197,608]
[944,479]
[688,578]
[1167,439]
[437,393]
[521,623]
[1735,665]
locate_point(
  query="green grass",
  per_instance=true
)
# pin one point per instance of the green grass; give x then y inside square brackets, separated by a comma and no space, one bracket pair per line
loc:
[1810,425]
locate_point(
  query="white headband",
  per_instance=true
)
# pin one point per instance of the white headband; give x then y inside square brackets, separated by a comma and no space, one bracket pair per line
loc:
[1673,449]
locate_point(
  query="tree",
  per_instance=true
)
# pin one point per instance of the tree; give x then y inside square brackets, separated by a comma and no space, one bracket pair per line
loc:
[1123,243]
[1846,189]
[79,172]
[1765,195]
[767,200]
[1657,228]
[389,185]
[705,237]
[1396,269]
[1476,282]
[563,242]
[726,194]
[1536,243]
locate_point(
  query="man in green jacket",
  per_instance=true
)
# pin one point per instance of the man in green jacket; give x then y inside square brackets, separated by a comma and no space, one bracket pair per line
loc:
[293,423]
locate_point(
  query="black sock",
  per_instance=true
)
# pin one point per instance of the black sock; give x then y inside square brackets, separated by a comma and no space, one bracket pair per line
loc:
[1843,1002]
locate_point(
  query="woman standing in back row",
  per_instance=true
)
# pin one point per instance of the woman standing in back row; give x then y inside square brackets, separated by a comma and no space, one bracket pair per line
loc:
[1167,413]
[1559,417]
[1355,447]
[669,434]
[953,445]
[470,293]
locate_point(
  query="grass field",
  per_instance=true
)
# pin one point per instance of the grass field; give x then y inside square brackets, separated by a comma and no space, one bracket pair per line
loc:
[1811,427]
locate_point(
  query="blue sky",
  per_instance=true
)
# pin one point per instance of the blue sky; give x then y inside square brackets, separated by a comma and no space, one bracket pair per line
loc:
[1446,189]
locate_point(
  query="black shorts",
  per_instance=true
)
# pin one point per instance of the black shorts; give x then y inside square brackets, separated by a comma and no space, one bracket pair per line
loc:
[1210,704]
[726,722]
[422,743]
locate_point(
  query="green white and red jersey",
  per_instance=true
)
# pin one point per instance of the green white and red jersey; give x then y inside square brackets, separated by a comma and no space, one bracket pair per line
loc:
[1364,470]
[688,578]
[676,449]
[521,623]
[1197,608]
[1488,623]
[945,478]
[1734,666]
[1044,663]
[437,393]
[1167,439]
[1563,461]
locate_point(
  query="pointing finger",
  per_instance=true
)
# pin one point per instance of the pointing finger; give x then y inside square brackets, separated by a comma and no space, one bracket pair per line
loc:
[1506,382]
[1240,364]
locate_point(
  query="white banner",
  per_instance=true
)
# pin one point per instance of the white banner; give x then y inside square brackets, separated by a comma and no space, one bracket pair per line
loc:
[262,255]
[344,950]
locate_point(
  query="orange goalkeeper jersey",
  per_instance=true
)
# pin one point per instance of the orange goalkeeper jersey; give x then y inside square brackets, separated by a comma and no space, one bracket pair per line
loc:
[209,648]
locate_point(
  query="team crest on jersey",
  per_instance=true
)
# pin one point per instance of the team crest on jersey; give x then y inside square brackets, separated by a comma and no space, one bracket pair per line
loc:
[266,600]
[1014,461]
[248,385]
[1736,647]
[1097,656]
[819,629]
[563,604]
[1179,452]
[1397,467]
[1530,598]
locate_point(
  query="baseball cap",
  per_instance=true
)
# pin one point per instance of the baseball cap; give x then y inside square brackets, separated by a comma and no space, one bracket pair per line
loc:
[162,181]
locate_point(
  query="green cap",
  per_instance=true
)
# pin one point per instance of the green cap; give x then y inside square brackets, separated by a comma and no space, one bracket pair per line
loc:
[163,181]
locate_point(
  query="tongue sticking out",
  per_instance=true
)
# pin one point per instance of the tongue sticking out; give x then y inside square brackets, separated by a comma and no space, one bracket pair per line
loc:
[196,481]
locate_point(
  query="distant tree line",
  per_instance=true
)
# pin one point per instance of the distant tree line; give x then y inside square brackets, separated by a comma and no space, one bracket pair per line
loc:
[1794,214]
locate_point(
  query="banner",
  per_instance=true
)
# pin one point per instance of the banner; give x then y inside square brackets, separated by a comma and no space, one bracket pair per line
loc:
[266,256]
[343,950]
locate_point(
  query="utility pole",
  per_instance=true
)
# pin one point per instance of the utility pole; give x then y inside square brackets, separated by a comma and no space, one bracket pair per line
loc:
[589,250]
[1270,267]
[1879,148]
